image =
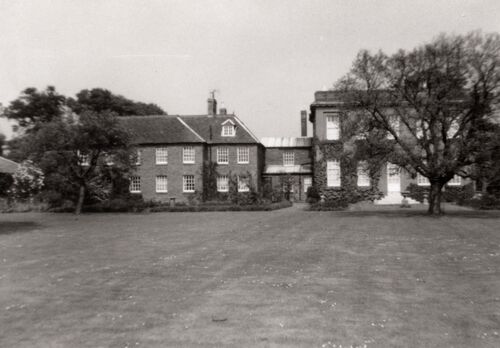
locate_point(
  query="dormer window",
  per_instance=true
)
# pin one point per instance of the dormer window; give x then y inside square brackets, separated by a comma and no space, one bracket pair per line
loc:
[228,129]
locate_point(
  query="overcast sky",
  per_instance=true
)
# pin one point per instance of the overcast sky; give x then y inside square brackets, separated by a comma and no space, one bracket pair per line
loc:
[266,58]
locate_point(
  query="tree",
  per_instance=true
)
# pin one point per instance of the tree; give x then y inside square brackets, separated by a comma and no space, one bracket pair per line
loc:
[34,108]
[3,142]
[82,156]
[431,102]
[99,100]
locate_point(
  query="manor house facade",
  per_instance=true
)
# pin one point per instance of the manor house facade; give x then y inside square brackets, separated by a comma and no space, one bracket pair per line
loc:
[173,152]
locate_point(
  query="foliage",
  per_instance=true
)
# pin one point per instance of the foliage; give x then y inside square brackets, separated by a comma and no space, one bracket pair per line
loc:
[223,207]
[27,181]
[75,155]
[100,100]
[330,205]
[34,107]
[6,181]
[485,202]
[210,175]
[3,142]
[457,194]
[313,195]
[431,101]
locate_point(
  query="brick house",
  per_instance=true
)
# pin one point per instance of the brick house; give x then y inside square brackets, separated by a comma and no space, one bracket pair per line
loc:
[332,173]
[173,152]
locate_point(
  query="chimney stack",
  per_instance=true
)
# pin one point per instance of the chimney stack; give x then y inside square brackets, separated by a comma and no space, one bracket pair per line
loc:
[212,106]
[303,123]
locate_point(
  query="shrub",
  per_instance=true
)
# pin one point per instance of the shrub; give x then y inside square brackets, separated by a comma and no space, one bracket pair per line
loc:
[330,205]
[484,202]
[457,194]
[312,195]
[416,192]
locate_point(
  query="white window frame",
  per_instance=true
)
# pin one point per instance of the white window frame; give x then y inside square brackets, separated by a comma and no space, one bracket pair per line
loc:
[135,184]
[362,174]
[84,160]
[288,158]
[422,180]
[243,155]
[188,155]
[455,181]
[307,182]
[138,158]
[243,184]
[161,155]
[333,178]
[188,183]
[223,183]
[228,129]
[161,183]
[222,151]
[333,127]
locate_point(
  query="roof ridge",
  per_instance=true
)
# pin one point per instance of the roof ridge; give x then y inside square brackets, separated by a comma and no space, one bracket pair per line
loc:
[191,129]
[8,160]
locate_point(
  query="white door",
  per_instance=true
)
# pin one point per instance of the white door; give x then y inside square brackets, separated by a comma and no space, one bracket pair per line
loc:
[393,178]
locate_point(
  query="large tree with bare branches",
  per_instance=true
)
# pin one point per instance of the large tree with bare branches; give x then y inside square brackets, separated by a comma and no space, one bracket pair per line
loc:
[432,101]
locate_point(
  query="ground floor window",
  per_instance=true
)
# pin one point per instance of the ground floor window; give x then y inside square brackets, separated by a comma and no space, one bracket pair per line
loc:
[161,183]
[223,183]
[135,184]
[188,183]
[455,181]
[243,184]
[307,183]
[422,180]
[363,177]
[333,173]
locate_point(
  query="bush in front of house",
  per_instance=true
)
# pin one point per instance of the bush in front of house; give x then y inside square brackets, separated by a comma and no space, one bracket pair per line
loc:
[205,207]
[456,194]
[484,202]
[329,205]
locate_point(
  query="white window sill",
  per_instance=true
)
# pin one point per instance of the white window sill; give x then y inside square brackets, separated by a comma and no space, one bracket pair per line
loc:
[161,163]
[190,191]
[244,162]
[135,191]
[188,162]
[161,191]
[222,190]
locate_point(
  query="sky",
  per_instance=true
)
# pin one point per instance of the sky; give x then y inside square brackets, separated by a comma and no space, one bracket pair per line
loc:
[265,58]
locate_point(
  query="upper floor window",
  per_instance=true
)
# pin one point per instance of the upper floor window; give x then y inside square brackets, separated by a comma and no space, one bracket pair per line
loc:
[288,158]
[135,184]
[332,127]
[138,158]
[188,183]
[363,177]
[188,154]
[228,129]
[455,181]
[333,173]
[243,155]
[222,155]
[161,155]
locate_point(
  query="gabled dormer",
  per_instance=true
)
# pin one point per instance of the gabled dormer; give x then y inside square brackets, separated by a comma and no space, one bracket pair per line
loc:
[228,128]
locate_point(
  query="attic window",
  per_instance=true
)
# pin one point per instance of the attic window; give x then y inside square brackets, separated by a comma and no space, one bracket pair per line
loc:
[228,129]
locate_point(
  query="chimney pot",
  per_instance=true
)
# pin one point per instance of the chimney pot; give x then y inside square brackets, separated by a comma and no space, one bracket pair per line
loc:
[212,106]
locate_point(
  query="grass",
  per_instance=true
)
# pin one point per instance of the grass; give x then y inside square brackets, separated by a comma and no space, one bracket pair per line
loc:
[250,279]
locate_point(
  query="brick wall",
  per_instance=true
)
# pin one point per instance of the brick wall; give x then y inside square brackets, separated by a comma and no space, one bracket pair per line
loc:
[274,156]
[254,167]
[174,170]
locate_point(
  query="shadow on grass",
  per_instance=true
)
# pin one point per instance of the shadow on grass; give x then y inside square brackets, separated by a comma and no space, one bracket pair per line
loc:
[467,214]
[10,227]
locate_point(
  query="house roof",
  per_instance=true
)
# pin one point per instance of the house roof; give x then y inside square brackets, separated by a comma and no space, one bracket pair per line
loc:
[295,169]
[7,166]
[286,141]
[159,129]
[210,128]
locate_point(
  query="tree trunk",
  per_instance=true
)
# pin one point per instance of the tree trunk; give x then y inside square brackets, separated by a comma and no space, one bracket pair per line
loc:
[435,194]
[81,196]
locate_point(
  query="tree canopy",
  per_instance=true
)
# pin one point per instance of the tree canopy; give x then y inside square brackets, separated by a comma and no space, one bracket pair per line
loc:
[34,107]
[99,99]
[432,103]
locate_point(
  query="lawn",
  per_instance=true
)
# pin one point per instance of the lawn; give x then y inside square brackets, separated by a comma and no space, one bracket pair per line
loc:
[286,278]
